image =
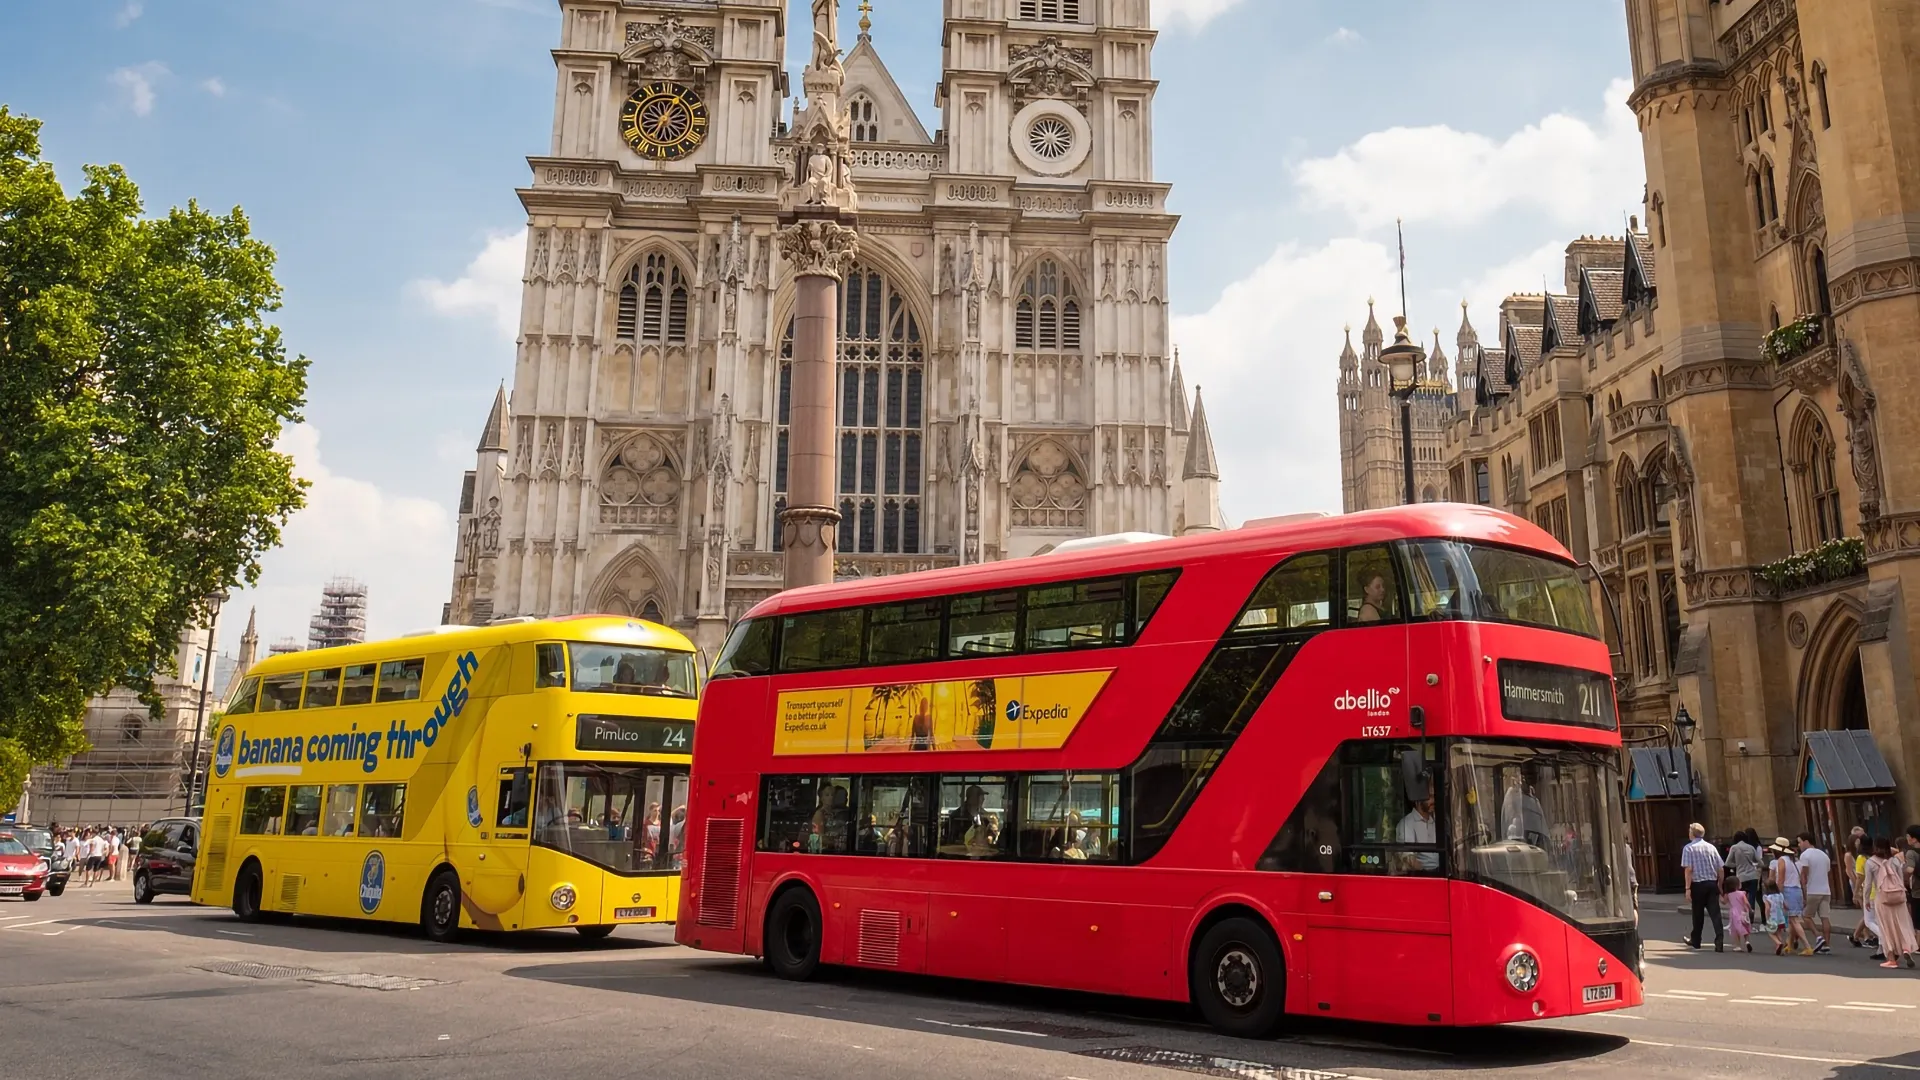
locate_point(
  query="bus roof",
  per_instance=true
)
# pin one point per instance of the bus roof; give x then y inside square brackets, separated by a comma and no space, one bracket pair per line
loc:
[1455,520]
[611,629]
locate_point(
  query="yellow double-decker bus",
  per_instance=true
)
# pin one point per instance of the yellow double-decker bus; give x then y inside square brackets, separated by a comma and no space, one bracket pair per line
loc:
[524,776]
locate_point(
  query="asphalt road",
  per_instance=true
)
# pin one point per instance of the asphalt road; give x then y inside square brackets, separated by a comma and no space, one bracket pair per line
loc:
[95,986]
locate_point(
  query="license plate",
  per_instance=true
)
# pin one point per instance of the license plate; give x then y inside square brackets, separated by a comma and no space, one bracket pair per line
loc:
[1593,995]
[633,913]
[12,890]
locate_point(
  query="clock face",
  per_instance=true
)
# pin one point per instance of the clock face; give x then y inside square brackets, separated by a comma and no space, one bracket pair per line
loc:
[664,121]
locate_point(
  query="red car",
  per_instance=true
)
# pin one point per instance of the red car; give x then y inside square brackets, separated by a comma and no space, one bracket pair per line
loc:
[22,872]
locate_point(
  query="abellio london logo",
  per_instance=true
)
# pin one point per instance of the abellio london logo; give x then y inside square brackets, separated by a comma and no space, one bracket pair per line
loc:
[223,751]
[1370,701]
[373,881]
[473,807]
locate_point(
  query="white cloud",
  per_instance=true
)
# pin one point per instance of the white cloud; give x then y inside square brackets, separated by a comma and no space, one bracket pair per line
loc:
[1544,267]
[137,85]
[1574,171]
[215,86]
[1345,36]
[1193,14]
[490,287]
[400,547]
[1265,356]
[129,13]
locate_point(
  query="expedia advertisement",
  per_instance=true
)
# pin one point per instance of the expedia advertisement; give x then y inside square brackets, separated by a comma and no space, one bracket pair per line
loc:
[1033,712]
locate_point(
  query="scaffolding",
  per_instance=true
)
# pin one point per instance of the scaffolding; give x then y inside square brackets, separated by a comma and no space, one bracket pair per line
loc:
[342,618]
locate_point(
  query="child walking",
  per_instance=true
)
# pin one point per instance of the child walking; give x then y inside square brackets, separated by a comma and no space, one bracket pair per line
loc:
[1739,918]
[1776,916]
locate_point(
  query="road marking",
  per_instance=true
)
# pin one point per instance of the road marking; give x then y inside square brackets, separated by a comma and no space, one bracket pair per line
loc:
[979,1027]
[1777,997]
[1764,1001]
[1883,1005]
[25,925]
[231,933]
[1704,995]
[10,918]
[1779,1057]
[1861,1008]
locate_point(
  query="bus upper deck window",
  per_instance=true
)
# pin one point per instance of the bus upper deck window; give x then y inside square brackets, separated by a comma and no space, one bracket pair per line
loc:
[1373,587]
[356,685]
[400,680]
[748,650]
[550,663]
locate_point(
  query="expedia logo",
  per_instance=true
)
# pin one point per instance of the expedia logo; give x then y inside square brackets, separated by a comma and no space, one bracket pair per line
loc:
[473,807]
[1017,711]
[223,751]
[1366,701]
[373,881]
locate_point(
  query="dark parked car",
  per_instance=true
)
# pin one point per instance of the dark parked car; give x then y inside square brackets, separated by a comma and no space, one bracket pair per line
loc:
[22,873]
[165,862]
[40,842]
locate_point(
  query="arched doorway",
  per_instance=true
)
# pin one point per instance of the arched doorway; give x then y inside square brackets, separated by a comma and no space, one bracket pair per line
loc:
[1833,705]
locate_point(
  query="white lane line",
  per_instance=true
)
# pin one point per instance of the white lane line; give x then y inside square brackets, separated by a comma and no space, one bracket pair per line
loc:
[981,1027]
[1861,1008]
[1777,997]
[1764,1001]
[11,918]
[1883,1005]
[25,925]
[231,933]
[1705,994]
[1777,1057]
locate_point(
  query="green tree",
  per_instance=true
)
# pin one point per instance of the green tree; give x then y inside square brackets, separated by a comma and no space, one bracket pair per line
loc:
[141,393]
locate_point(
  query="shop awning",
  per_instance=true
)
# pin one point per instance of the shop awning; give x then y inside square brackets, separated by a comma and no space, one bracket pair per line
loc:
[1659,772]
[1843,763]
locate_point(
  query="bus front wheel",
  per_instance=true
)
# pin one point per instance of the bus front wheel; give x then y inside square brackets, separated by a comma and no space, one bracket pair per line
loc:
[440,907]
[1235,978]
[594,933]
[793,935]
[246,893]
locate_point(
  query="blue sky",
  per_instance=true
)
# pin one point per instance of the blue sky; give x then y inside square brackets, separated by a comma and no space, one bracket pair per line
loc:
[377,144]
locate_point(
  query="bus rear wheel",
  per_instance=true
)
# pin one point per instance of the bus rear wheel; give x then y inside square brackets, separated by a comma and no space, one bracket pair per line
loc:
[793,935]
[246,893]
[440,907]
[1235,978]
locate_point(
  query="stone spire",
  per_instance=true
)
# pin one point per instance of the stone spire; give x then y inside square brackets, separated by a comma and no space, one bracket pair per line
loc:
[1201,476]
[1182,422]
[1200,460]
[494,435]
[1372,337]
[1437,360]
[1468,336]
[1349,360]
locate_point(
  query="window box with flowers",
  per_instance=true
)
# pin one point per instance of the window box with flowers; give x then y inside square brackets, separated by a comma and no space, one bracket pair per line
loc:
[1794,340]
[1835,560]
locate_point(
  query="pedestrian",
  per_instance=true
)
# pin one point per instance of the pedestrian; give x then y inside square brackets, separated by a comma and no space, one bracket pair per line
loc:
[117,848]
[1776,908]
[1701,868]
[1743,860]
[1786,874]
[1816,880]
[1913,873]
[1739,915]
[1887,877]
[1868,932]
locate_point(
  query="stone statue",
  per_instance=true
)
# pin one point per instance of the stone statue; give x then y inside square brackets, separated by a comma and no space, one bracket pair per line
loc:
[826,34]
[820,177]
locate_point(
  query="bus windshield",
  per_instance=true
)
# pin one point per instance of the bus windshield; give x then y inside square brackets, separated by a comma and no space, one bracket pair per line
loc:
[633,669]
[1454,579]
[1545,822]
[627,819]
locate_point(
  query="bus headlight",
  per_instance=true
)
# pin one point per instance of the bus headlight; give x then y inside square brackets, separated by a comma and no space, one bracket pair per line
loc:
[1523,971]
[562,898]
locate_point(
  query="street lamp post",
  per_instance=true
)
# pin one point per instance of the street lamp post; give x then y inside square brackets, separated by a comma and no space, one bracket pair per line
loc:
[1683,726]
[1403,360]
[214,603]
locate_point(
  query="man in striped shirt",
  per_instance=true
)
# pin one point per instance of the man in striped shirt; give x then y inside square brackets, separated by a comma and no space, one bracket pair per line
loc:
[1701,865]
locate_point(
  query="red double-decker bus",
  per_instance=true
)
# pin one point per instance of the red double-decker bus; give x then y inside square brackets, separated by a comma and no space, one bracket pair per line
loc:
[1362,767]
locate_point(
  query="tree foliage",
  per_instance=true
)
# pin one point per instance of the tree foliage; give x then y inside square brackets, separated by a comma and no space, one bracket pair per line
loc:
[141,393]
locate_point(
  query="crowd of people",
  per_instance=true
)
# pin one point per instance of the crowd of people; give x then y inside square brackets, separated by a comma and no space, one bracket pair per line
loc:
[96,852]
[1785,890]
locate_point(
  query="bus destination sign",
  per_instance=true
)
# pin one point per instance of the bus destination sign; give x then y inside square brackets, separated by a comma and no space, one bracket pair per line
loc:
[1548,694]
[634,735]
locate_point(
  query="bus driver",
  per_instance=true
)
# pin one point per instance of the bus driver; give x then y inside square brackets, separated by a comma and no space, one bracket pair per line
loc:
[1417,829]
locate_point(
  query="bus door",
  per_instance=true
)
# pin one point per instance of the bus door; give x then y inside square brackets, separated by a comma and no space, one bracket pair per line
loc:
[493,875]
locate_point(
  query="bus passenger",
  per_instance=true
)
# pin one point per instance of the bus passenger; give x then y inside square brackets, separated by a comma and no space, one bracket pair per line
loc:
[962,819]
[615,830]
[1374,599]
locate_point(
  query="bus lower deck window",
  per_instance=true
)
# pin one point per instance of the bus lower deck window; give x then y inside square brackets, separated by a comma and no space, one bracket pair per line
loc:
[382,809]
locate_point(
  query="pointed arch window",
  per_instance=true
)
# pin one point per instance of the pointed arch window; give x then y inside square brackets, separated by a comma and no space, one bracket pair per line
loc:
[1047,317]
[1772,191]
[653,303]
[1759,199]
[866,121]
[1633,518]
[882,418]
[1822,293]
[1812,462]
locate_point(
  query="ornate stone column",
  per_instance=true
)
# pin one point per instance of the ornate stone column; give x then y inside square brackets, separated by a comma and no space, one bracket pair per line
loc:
[819,242]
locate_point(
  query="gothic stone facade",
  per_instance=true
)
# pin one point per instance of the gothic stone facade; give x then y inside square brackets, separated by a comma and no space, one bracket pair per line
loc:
[1372,454]
[1653,418]
[638,466]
